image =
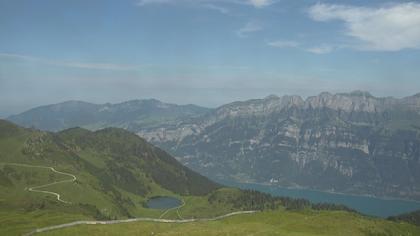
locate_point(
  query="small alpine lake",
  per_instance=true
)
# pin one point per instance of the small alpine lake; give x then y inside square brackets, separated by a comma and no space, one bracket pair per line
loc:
[163,202]
[368,205]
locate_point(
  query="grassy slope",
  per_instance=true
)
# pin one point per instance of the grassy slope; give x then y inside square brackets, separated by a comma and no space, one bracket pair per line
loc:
[116,173]
[278,222]
[18,222]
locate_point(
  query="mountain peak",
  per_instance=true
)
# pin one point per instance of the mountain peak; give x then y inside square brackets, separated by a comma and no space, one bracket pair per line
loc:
[142,101]
[7,127]
[417,95]
[360,93]
[271,96]
[70,104]
[325,94]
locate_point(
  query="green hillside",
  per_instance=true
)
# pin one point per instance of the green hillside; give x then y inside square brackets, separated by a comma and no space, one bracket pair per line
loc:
[54,178]
[116,173]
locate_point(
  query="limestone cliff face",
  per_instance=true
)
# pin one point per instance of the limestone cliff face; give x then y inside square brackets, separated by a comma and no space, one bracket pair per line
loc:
[353,142]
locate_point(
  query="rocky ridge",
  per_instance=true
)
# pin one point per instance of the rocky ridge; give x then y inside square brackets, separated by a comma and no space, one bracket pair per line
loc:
[353,142]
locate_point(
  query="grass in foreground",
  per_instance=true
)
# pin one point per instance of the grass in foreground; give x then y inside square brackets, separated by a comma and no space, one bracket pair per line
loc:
[278,222]
[21,222]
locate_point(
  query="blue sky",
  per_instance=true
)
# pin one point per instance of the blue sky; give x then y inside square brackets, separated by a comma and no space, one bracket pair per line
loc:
[206,52]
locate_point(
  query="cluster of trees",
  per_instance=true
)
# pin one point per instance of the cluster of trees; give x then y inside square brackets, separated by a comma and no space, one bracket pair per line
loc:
[411,217]
[92,210]
[331,207]
[254,200]
[4,179]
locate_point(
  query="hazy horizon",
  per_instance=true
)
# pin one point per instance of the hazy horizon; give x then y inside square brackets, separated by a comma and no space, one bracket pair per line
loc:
[204,52]
[187,103]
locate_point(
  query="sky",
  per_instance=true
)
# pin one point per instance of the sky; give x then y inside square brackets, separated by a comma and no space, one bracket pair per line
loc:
[204,52]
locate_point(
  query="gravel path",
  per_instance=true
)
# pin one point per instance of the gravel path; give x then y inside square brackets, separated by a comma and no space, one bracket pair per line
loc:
[34,188]
[54,227]
[177,210]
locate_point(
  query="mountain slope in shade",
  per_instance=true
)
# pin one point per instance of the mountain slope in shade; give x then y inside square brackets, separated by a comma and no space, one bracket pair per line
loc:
[132,115]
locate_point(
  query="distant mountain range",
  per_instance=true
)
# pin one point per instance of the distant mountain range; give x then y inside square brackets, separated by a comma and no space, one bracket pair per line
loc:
[132,115]
[347,142]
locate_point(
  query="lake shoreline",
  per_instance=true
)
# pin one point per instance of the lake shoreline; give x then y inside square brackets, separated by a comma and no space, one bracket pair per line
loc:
[163,202]
[365,204]
[333,192]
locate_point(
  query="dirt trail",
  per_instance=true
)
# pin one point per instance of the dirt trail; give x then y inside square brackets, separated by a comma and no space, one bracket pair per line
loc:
[34,188]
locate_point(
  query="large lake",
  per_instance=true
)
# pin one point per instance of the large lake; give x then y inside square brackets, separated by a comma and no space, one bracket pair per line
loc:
[364,204]
[163,202]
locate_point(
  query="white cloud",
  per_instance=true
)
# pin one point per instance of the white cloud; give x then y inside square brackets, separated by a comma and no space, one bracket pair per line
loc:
[260,3]
[254,3]
[250,27]
[284,44]
[389,28]
[220,9]
[147,2]
[95,66]
[323,49]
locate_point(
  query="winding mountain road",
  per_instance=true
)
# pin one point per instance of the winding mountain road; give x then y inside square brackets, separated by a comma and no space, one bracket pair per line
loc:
[34,189]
